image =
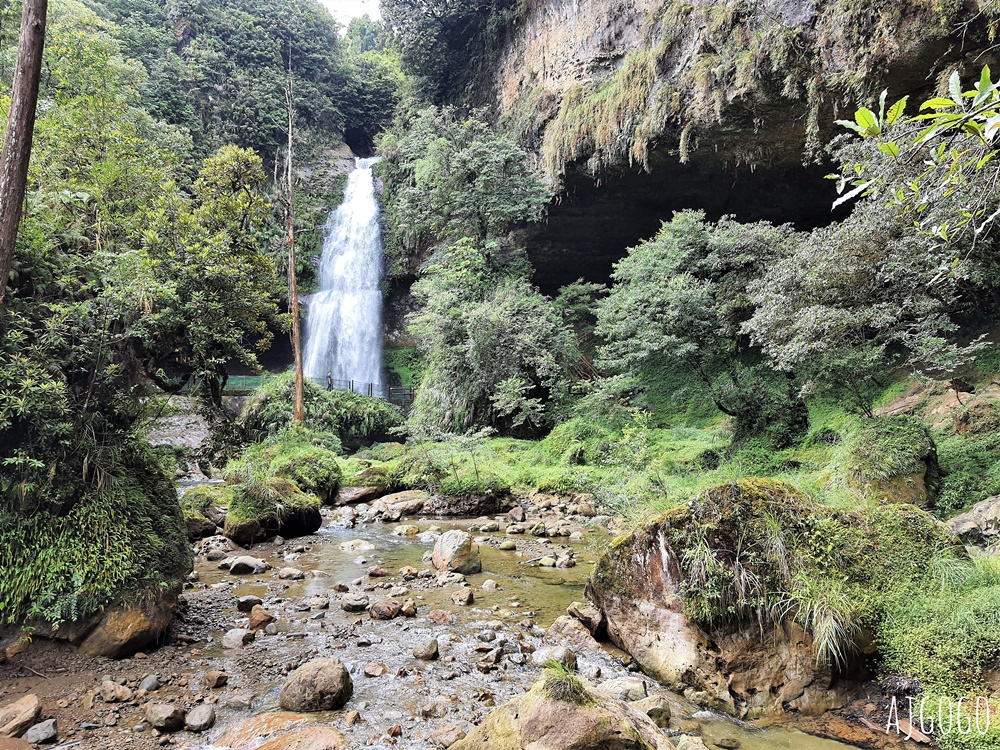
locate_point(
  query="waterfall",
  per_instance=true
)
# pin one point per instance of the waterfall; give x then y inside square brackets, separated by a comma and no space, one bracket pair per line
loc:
[344,323]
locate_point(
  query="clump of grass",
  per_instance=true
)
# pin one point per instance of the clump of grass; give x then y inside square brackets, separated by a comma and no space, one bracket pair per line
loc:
[561,684]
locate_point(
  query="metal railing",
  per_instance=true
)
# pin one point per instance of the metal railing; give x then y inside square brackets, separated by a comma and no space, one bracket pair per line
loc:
[401,397]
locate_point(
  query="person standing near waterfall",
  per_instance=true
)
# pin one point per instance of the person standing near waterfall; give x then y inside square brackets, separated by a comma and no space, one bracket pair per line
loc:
[329,380]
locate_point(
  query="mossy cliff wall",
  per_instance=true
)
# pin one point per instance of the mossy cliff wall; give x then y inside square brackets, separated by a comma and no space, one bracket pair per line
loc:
[674,104]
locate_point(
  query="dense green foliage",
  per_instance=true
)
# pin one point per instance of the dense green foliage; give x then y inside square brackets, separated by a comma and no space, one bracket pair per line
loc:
[678,302]
[299,455]
[218,69]
[138,261]
[66,555]
[496,350]
[340,415]
[449,177]
[444,43]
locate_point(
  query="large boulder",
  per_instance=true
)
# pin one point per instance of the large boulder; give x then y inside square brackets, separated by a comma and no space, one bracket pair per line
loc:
[351,495]
[395,506]
[981,523]
[127,628]
[538,721]
[894,459]
[456,551]
[690,594]
[19,716]
[318,685]
[289,512]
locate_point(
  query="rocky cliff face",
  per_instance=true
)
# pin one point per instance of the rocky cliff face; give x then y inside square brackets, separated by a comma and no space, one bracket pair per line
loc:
[637,108]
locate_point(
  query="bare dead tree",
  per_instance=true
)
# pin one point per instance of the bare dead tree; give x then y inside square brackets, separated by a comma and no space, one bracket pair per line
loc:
[293,291]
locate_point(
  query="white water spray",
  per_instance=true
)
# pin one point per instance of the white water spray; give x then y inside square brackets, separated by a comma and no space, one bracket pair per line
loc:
[344,324]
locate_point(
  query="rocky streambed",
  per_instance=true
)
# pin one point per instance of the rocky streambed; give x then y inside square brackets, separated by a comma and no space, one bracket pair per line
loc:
[429,654]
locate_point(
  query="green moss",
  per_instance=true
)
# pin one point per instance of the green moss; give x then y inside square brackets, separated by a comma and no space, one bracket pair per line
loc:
[893,458]
[268,502]
[406,363]
[123,538]
[197,500]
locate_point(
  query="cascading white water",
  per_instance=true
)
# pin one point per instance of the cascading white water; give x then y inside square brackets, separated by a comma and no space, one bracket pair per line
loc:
[344,324]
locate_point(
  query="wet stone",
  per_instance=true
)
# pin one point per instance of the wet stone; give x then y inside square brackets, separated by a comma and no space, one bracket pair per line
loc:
[247,603]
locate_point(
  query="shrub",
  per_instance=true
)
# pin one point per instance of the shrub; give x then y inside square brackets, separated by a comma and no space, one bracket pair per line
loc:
[351,417]
[579,441]
[970,465]
[887,449]
[483,484]
[948,635]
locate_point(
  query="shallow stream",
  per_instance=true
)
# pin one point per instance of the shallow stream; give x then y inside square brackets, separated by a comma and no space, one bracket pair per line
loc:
[414,695]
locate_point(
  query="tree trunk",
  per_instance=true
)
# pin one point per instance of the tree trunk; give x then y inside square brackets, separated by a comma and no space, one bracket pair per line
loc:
[293,291]
[20,130]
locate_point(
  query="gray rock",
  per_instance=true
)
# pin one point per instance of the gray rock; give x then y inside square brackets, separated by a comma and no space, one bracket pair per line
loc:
[237,638]
[318,685]
[354,602]
[456,551]
[657,708]
[246,603]
[165,716]
[624,689]
[426,650]
[291,574]
[150,683]
[561,654]
[42,733]
[978,524]
[246,565]
[200,718]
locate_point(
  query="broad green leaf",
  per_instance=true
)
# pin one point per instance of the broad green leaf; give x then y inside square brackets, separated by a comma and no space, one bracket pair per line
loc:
[896,110]
[890,149]
[867,121]
[938,102]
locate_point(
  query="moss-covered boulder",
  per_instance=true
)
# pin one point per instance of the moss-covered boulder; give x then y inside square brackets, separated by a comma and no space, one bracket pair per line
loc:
[262,508]
[753,599]
[585,721]
[312,468]
[894,459]
[205,508]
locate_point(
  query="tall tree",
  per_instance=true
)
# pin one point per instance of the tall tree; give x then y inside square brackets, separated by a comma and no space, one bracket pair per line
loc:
[20,129]
[293,290]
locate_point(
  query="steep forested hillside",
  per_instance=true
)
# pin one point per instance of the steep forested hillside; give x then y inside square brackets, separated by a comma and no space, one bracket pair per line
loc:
[219,70]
